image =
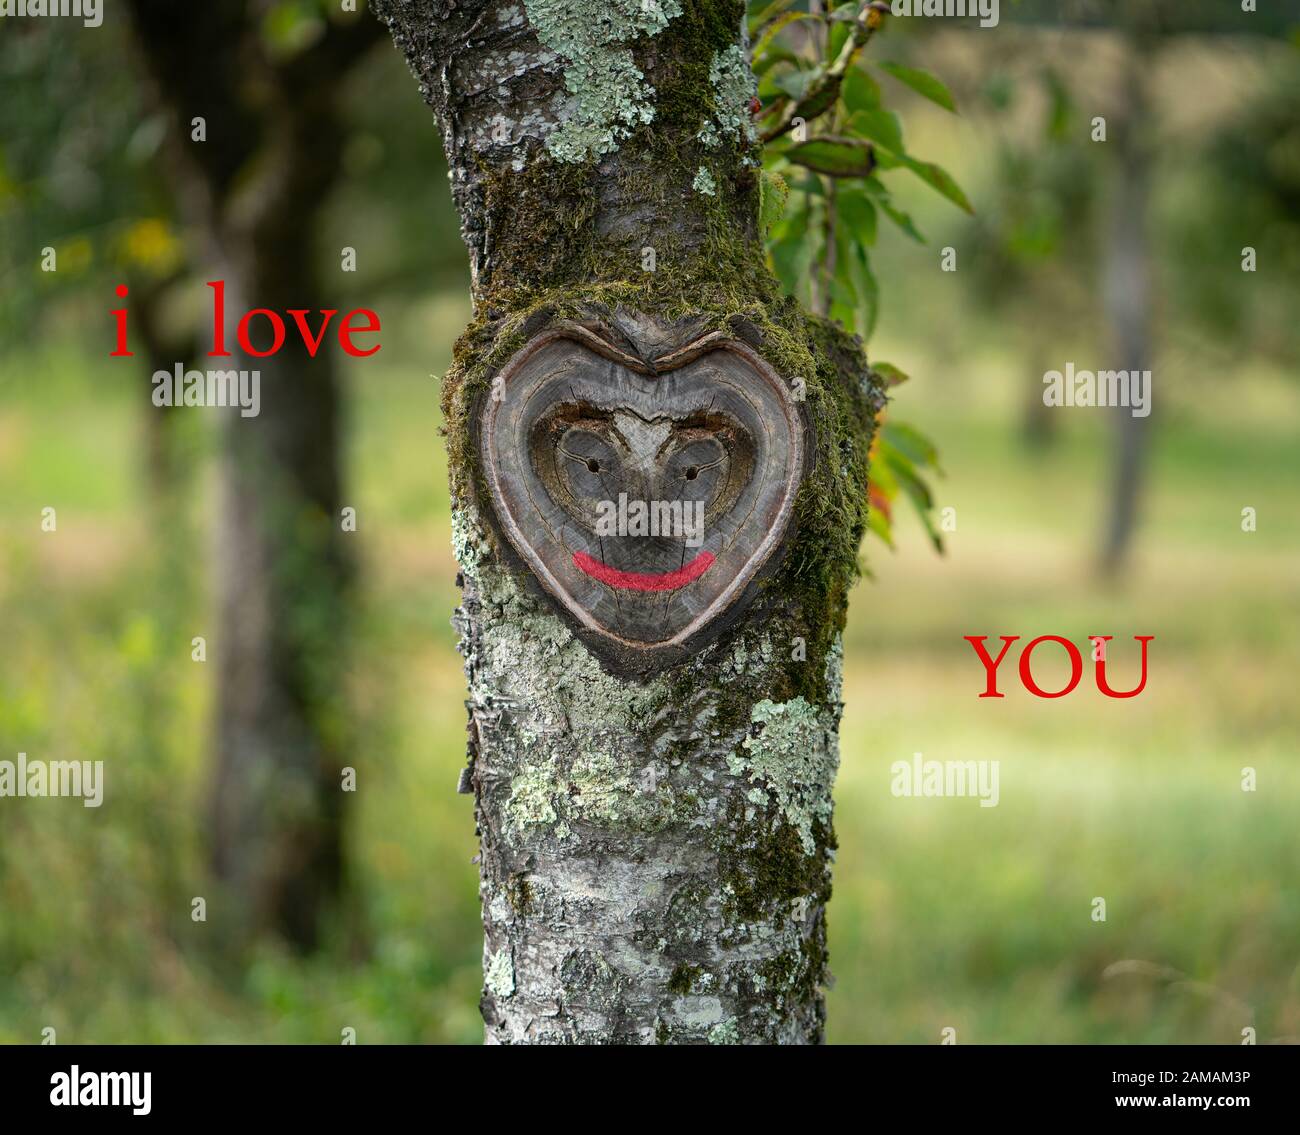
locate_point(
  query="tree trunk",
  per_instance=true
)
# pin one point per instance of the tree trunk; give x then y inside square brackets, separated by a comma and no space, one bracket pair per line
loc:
[1127,293]
[254,189]
[160,470]
[651,755]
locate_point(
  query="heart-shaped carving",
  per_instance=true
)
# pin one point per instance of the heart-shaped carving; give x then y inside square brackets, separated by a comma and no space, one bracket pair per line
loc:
[645,494]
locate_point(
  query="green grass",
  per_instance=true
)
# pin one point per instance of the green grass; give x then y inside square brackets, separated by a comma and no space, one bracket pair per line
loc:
[944,914]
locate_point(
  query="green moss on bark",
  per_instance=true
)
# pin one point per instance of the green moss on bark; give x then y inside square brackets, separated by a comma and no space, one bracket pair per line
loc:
[765,867]
[683,977]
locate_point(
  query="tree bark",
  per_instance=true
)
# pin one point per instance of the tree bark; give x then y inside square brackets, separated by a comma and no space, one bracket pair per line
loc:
[163,349]
[656,837]
[254,190]
[1127,292]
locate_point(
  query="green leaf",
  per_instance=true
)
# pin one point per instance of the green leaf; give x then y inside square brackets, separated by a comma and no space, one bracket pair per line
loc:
[793,250]
[923,83]
[860,90]
[905,474]
[802,182]
[291,26]
[773,194]
[835,39]
[878,523]
[835,157]
[916,490]
[774,29]
[890,374]
[882,490]
[844,293]
[881,126]
[882,476]
[854,290]
[940,179]
[760,14]
[1058,118]
[774,55]
[820,97]
[868,291]
[877,190]
[911,442]
[858,214]
[793,225]
[794,83]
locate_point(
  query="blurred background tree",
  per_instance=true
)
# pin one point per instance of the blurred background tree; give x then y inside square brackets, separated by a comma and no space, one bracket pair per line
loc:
[127,187]
[1039,215]
[256,141]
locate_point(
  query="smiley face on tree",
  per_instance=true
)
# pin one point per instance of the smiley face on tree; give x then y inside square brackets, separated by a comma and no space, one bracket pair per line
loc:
[645,477]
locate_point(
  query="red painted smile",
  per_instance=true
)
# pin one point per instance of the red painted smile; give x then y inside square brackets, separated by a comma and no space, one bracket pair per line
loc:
[644,581]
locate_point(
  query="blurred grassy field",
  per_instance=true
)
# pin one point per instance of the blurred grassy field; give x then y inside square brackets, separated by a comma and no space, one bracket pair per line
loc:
[944,915]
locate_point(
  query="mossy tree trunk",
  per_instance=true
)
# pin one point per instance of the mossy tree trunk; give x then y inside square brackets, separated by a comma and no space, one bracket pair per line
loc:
[656,844]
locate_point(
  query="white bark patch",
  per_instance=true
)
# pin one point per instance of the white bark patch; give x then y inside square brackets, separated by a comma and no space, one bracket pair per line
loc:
[499,974]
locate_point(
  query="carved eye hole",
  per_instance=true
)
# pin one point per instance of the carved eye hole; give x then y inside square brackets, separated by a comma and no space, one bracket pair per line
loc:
[585,458]
[572,454]
[712,461]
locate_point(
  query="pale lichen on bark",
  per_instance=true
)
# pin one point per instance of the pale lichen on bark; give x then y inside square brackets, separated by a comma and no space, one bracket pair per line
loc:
[704,183]
[786,756]
[733,85]
[608,94]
